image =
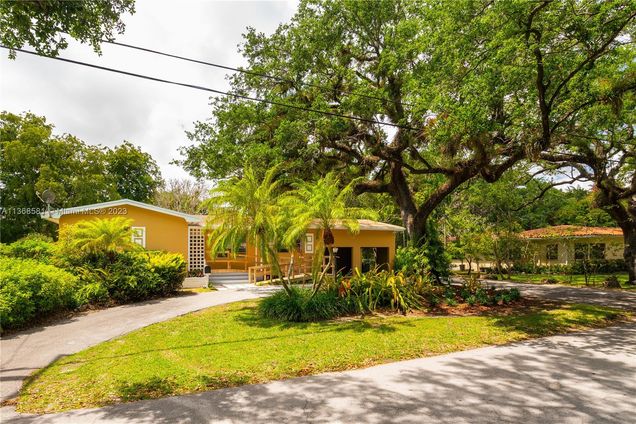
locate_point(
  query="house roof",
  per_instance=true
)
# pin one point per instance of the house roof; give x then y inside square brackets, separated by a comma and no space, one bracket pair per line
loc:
[570,231]
[365,224]
[54,215]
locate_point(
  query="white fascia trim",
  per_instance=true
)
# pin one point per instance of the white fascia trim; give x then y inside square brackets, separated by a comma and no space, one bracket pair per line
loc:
[55,215]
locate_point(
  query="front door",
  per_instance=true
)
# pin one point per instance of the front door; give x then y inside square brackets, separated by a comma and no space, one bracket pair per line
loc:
[344,257]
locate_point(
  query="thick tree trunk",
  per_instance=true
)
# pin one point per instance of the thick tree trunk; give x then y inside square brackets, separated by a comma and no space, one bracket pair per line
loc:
[415,227]
[629,253]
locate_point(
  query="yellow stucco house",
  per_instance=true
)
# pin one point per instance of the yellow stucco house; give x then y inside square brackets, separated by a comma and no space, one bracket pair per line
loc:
[564,244]
[157,228]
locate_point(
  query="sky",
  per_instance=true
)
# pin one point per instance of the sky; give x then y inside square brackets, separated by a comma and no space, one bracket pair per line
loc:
[103,108]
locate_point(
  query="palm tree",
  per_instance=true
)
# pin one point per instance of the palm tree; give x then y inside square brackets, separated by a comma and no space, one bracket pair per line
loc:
[325,203]
[102,235]
[247,210]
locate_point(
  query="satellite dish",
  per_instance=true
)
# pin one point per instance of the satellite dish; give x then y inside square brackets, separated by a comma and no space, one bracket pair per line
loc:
[48,196]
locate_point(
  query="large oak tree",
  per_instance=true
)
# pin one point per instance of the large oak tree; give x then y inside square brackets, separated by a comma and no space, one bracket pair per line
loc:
[472,86]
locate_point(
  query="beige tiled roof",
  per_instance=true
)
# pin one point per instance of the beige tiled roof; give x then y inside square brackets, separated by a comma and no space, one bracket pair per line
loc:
[571,231]
[365,224]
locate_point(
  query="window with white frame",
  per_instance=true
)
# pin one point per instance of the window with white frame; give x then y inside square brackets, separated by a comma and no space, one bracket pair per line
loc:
[139,236]
[309,243]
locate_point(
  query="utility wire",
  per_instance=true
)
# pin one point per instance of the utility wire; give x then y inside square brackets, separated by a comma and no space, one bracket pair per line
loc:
[212,90]
[253,73]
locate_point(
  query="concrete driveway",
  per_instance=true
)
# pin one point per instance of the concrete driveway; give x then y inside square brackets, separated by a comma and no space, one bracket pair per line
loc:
[587,377]
[24,352]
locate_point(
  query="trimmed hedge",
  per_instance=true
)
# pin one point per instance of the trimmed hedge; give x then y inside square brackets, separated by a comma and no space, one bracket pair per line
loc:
[596,266]
[30,289]
[134,276]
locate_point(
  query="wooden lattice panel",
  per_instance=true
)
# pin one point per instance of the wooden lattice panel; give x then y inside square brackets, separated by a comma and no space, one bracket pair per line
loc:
[196,249]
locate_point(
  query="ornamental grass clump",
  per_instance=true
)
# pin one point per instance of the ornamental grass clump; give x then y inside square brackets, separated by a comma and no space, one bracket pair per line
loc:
[301,305]
[368,292]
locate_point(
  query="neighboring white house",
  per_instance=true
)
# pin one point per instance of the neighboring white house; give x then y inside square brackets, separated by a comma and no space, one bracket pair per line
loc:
[563,244]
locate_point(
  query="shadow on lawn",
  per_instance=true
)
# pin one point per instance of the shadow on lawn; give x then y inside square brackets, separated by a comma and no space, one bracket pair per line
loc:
[249,316]
[584,377]
[538,323]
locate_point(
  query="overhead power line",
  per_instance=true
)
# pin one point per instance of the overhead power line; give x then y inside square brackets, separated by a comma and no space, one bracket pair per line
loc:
[212,90]
[253,73]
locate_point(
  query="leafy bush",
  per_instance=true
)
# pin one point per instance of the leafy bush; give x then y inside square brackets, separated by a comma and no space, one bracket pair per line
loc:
[412,260]
[30,289]
[427,260]
[300,306]
[91,294]
[134,276]
[33,246]
[374,290]
[171,269]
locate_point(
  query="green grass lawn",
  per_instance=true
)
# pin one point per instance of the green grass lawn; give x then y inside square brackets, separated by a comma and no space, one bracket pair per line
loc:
[574,280]
[230,345]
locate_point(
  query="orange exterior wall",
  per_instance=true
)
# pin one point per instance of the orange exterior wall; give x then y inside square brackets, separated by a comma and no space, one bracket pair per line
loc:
[163,232]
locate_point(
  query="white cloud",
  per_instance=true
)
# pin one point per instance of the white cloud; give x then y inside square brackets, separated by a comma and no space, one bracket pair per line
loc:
[106,108]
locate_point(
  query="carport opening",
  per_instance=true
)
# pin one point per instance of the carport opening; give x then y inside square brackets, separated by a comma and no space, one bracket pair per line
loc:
[344,259]
[375,257]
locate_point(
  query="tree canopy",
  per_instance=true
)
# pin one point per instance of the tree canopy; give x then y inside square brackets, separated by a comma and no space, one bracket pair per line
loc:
[34,159]
[45,24]
[471,87]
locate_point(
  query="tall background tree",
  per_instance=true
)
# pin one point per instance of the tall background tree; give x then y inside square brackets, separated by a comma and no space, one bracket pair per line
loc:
[135,173]
[604,153]
[472,86]
[182,195]
[34,159]
[45,24]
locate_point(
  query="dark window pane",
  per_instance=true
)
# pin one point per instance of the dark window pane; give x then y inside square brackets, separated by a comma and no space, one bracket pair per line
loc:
[580,251]
[597,251]
[552,251]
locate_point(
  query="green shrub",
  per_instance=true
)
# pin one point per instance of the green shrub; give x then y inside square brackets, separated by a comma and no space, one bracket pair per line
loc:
[139,275]
[30,289]
[374,290]
[428,260]
[33,246]
[412,261]
[171,269]
[91,294]
[300,306]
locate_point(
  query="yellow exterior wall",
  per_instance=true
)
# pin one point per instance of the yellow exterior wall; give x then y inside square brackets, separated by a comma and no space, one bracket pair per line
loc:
[365,238]
[163,232]
[537,248]
[342,238]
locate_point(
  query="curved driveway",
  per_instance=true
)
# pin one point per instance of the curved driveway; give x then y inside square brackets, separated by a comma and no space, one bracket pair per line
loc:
[24,352]
[615,298]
